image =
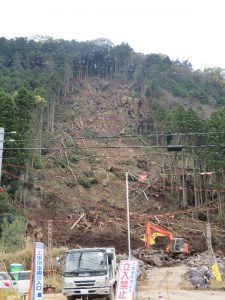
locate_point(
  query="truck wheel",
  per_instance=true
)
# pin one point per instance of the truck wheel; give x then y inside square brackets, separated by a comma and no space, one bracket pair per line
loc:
[111,295]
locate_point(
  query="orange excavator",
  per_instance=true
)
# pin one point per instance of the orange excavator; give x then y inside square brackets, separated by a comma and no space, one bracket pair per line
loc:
[174,245]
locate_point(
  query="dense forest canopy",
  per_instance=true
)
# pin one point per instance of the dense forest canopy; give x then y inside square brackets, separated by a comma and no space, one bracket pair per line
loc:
[48,65]
[35,74]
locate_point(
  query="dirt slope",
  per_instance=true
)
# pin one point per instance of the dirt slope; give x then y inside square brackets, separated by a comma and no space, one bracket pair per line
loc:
[83,180]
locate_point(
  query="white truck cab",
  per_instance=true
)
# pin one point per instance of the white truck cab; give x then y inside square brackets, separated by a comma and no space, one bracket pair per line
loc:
[89,272]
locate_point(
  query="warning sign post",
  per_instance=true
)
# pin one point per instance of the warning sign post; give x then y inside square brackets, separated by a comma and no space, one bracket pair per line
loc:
[127,282]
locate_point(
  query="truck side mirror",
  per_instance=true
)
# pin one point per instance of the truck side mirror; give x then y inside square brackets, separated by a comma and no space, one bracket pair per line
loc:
[58,259]
[110,257]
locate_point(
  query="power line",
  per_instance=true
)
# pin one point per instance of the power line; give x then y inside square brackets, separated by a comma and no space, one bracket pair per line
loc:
[122,136]
[40,139]
[109,147]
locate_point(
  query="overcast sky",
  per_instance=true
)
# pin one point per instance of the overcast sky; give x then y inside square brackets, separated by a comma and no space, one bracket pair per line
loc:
[183,29]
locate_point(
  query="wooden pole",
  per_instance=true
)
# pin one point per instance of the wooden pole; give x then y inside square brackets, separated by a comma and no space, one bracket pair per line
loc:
[178,183]
[200,186]
[167,287]
[77,221]
[184,188]
[194,179]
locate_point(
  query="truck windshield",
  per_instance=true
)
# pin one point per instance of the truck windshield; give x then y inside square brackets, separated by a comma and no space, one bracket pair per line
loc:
[86,261]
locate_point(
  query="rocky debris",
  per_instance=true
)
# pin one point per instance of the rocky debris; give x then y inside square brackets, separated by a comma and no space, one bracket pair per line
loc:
[200,276]
[157,258]
[154,261]
[200,272]
[147,259]
[205,259]
[142,267]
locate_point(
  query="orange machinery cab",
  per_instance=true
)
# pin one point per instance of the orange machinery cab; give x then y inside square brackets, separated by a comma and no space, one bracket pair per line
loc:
[177,245]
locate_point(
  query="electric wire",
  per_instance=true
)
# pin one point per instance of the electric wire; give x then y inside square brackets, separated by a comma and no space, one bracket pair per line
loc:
[120,136]
[109,147]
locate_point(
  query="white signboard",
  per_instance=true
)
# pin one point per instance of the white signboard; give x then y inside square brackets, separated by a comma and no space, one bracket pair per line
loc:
[37,292]
[127,279]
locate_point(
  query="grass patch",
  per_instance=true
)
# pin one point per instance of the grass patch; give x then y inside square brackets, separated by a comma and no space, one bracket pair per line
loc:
[10,293]
[89,133]
[94,160]
[85,182]
[70,182]
[24,257]
[88,173]
[62,163]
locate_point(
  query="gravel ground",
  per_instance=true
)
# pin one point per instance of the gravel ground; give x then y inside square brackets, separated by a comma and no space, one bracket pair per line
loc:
[171,281]
[54,296]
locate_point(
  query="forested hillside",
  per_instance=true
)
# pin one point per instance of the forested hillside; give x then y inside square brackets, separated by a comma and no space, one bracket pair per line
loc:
[158,101]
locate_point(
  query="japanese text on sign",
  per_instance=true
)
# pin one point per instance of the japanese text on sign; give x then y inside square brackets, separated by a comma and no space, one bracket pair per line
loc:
[127,279]
[38,271]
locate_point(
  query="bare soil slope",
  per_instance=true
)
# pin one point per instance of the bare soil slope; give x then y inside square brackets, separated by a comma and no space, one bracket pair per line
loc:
[82,186]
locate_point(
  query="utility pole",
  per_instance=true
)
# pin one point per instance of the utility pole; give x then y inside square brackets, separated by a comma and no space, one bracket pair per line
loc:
[183,183]
[2,133]
[209,235]
[49,262]
[128,217]
[215,267]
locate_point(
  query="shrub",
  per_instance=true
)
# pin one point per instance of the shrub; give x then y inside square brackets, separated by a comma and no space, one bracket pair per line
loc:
[89,133]
[71,182]
[93,160]
[38,163]
[85,182]
[75,157]
[88,173]
[60,163]
[12,235]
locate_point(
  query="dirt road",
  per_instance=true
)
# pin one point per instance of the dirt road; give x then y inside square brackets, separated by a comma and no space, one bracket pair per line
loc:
[174,285]
[172,282]
[54,297]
